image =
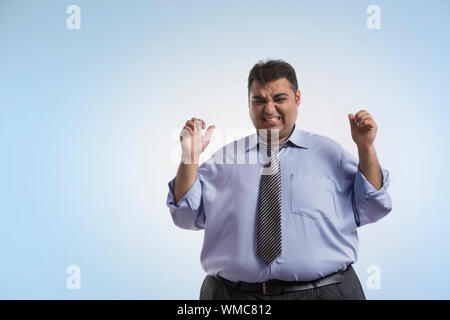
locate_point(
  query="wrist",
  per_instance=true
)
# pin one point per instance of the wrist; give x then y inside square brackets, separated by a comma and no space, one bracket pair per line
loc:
[188,158]
[366,148]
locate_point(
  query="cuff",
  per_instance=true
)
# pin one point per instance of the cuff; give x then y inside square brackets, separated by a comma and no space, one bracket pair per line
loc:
[192,196]
[364,188]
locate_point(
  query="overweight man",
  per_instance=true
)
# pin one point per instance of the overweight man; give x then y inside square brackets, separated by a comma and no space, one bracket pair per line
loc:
[280,208]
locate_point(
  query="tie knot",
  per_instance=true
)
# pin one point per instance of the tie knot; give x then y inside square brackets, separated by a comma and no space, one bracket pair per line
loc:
[275,148]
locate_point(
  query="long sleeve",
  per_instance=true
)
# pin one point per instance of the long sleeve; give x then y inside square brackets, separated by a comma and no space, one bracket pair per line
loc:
[369,204]
[188,213]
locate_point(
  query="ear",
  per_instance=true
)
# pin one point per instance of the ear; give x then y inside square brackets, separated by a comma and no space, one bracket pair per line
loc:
[298,97]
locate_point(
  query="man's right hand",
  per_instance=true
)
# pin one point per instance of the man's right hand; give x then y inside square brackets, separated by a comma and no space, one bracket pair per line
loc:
[192,141]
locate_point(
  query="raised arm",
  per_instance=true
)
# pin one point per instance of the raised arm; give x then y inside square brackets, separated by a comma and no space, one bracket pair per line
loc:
[364,130]
[192,144]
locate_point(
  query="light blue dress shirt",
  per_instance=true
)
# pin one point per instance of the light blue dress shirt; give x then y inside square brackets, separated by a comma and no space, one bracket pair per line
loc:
[325,197]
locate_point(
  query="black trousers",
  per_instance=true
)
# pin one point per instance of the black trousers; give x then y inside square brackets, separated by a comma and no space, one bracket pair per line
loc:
[349,289]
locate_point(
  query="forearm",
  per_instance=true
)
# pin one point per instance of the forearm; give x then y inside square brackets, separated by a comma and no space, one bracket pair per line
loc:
[186,175]
[369,166]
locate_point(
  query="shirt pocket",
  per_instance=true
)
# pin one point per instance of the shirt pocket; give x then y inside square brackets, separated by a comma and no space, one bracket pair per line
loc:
[312,197]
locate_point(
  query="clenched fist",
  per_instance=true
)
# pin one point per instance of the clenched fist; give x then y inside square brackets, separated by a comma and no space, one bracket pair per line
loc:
[192,141]
[363,128]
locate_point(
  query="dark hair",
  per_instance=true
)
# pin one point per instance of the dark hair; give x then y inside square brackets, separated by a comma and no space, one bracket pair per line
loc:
[272,70]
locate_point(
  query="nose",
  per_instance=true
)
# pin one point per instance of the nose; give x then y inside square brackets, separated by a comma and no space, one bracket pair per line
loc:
[269,108]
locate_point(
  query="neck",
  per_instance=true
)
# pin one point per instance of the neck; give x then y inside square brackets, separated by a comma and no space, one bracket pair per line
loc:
[268,132]
[285,137]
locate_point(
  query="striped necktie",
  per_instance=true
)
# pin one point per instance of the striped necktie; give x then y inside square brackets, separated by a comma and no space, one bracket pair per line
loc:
[269,241]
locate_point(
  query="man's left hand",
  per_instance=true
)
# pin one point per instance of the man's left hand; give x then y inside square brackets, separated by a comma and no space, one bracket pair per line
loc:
[364,128]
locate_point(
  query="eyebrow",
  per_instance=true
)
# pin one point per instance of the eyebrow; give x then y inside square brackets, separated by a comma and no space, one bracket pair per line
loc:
[275,96]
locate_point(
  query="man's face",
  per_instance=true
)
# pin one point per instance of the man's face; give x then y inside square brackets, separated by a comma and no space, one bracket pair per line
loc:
[274,106]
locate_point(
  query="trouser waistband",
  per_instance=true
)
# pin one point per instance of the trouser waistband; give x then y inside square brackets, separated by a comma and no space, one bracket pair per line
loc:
[274,286]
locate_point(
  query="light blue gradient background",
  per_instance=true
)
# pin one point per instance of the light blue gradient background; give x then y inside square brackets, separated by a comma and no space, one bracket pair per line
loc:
[89,122]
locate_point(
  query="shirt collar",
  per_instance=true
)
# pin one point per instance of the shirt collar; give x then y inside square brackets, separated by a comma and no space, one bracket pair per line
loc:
[295,139]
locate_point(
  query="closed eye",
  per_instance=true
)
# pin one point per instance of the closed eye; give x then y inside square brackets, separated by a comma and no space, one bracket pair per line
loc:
[259,101]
